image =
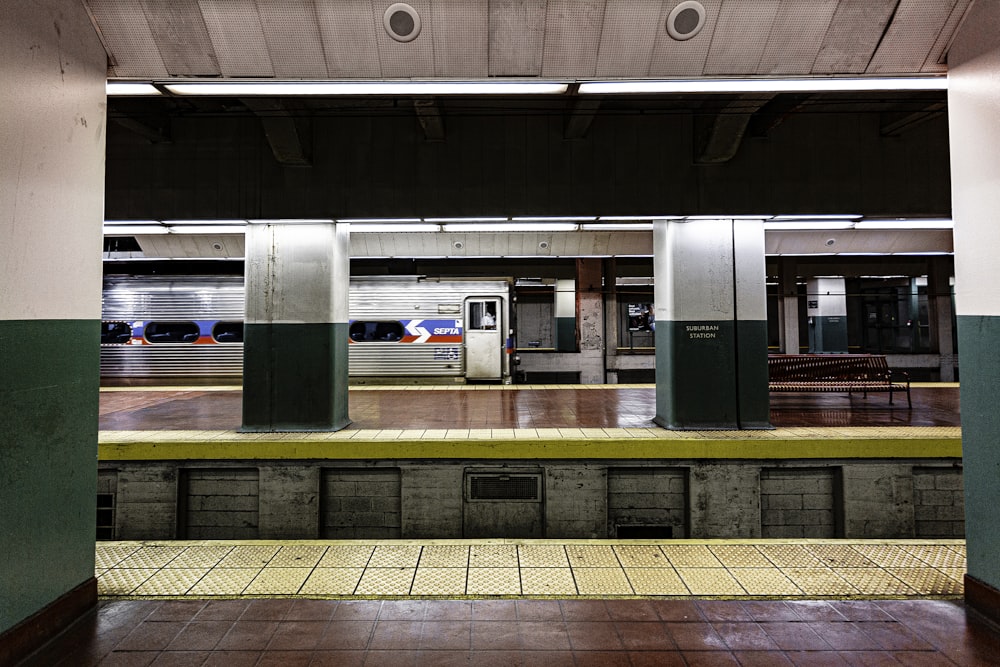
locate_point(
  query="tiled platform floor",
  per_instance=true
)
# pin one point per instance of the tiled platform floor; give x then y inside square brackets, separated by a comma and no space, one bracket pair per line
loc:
[787,569]
[546,633]
[516,407]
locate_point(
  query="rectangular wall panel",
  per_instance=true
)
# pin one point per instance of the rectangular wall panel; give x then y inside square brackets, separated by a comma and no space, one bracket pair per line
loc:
[647,498]
[360,503]
[219,504]
[798,502]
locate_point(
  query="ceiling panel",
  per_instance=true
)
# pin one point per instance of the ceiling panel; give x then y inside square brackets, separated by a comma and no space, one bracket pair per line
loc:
[936,58]
[461,37]
[293,40]
[686,58]
[129,39]
[516,32]
[796,36]
[237,38]
[405,59]
[180,35]
[628,37]
[572,35]
[854,34]
[740,36]
[349,44]
[911,36]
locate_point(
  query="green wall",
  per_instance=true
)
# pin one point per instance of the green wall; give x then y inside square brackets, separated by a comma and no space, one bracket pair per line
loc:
[978,337]
[48,461]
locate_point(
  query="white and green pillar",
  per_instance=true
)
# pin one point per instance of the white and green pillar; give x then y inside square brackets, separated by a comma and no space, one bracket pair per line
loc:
[564,335]
[974,128]
[295,333]
[826,315]
[52,137]
[711,324]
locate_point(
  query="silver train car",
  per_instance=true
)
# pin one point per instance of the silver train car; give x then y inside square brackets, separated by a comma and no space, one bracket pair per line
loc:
[157,327]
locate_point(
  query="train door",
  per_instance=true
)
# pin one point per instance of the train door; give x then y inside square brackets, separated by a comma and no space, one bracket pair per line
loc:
[484,329]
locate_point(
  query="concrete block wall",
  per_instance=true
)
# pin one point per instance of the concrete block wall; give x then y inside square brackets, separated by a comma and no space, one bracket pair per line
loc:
[576,501]
[581,500]
[361,503]
[938,502]
[653,496]
[798,502]
[220,503]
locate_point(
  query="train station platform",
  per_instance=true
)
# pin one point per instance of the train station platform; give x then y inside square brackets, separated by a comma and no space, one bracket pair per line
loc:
[525,421]
[527,602]
[521,602]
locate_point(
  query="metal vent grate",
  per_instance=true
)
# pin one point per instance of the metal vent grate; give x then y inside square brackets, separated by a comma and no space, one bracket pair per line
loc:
[505,487]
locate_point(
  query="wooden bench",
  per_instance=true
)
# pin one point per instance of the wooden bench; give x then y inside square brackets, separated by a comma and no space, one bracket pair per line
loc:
[835,372]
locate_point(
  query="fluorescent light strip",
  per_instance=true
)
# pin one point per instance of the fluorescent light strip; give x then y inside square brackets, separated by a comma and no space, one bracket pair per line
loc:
[441,220]
[905,224]
[805,226]
[132,230]
[815,85]
[554,218]
[378,221]
[208,229]
[511,227]
[298,88]
[612,227]
[130,89]
[205,222]
[292,221]
[822,216]
[363,227]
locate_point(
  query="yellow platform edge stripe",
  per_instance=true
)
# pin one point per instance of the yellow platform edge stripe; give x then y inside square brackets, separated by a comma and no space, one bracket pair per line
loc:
[161,448]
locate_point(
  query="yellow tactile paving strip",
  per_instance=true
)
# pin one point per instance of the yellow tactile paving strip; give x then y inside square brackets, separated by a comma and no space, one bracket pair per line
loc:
[536,443]
[760,569]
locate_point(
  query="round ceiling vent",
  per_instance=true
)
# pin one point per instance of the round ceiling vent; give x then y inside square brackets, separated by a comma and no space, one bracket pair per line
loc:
[686,20]
[401,22]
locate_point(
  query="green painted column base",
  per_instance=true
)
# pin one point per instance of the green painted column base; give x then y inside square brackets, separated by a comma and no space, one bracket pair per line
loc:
[295,377]
[978,341]
[565,334]
[711,375]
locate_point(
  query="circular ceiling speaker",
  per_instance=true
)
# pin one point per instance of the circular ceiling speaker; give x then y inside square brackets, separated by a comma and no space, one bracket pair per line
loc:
[686,20]
[401,22]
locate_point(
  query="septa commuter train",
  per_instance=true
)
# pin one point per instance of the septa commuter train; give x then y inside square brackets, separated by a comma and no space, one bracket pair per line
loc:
[156,327]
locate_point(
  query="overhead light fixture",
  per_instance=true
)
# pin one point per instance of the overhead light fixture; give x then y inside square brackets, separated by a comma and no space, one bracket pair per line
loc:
[626,218]
[134,229]
[207,229]
[291,221]
[379,220]
[821,216]
[336,88]
[130,89]
[807,225]
[440,220]
[205,222]
[364,227]
[906,224]
[763,85]
[553,218]
[612,227]
[511,227]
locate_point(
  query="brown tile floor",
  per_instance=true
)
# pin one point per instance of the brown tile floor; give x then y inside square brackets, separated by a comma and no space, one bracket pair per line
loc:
[524,632]
[606,406]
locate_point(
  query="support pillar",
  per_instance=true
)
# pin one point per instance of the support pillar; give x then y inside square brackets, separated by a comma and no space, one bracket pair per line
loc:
[711,324]
[52,138]
[940,315]
[788,306]
[564,335]
[296,327]
[974,131]
[826,308]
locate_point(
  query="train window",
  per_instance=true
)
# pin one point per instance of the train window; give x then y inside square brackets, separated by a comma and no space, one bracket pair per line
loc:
[482,315]
[376,332]
[171,332]
[115,333]
[227,332]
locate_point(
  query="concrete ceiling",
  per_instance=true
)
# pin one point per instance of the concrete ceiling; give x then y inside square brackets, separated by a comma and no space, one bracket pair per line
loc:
[482,39]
